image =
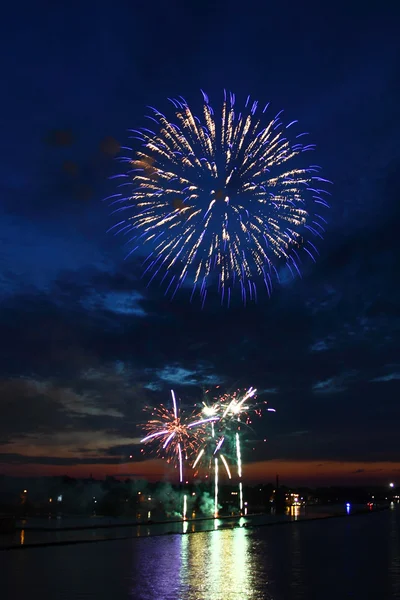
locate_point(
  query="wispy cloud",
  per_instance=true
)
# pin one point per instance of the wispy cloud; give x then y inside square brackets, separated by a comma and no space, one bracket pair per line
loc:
[178,375]
[73,403]
[390,377]
[328,386]
[68,444]
[333,385]
[321,346]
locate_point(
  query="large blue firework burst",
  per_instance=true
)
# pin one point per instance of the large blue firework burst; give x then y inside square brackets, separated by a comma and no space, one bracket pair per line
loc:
[225,201]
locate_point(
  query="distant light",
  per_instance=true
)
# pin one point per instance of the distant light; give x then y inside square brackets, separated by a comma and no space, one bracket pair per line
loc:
[130,456]
[139,492]
[149,498]
[193,493]
[25,491]
[391,485]
[348,507]
[59,498]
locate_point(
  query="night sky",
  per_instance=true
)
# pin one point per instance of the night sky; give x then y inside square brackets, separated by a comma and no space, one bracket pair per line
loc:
[84,344]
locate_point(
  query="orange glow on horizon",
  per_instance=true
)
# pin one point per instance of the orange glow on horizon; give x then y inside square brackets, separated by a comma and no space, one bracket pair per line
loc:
[290,472]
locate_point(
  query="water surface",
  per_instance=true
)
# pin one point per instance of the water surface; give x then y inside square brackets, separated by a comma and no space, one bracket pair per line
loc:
[351,557]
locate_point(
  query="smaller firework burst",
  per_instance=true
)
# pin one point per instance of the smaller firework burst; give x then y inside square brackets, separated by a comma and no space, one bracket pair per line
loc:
[175,436]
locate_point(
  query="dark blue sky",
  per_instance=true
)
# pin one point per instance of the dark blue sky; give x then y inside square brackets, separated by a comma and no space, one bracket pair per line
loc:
[83,344]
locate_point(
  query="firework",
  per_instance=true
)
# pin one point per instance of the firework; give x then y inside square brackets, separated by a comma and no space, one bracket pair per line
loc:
[224,199]
[236,411]
[176,437]
[232,411]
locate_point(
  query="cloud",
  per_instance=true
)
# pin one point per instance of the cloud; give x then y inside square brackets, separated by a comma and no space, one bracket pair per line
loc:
[328,386]
[333,385]
[84,405]
[33,408]
[153,386]
[320,346]
[26,408]
[178,375]
[74,404]
[390,377]
[54,460]
[70,444]
[123,303]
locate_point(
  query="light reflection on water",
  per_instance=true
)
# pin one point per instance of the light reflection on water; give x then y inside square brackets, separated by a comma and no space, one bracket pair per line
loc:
[219,566]
[356,558]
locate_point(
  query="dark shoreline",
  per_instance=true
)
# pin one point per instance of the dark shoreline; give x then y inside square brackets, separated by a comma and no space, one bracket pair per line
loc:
[358,512]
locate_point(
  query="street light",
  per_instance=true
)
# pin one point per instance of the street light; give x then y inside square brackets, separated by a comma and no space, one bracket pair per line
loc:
[391,485]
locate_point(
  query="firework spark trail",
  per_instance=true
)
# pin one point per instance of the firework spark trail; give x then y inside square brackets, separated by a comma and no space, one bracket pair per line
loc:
[239,468]
[184,512]
[174,404]
[200,454]
[238,455]
[241,496]
[225,200]
[180,463]
[226,466]
[215,487]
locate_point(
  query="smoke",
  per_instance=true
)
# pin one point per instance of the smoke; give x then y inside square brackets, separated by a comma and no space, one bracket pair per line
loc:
[109,497]
[170,499]
[206,504]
